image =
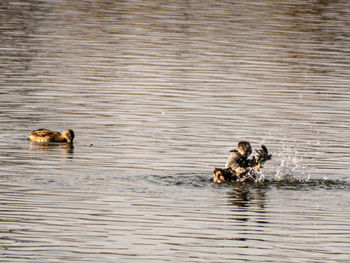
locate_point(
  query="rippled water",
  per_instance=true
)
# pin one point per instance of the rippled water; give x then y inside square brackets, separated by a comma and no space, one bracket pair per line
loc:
[157,94]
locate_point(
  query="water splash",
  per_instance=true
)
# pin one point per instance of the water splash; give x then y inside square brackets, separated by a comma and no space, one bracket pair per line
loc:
[290,164]
[287,165]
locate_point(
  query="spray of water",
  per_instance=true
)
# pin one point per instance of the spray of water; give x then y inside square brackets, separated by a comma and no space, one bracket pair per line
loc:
[289,165]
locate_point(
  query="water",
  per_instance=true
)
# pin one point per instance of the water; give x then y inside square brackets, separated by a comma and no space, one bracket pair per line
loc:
[157,94]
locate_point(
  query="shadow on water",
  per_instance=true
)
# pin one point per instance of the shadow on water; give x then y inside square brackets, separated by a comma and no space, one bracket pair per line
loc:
[242,194]
[249,191]
[181,179]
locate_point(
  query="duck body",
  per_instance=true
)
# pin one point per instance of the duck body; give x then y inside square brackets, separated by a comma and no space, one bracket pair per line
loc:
[237,162]
[239,168]
[224,175]
[46,136]
[227,175]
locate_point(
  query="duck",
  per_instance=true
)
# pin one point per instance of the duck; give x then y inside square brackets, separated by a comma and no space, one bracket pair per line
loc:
[46,136]
[238,160]
[223,175]
[238,167]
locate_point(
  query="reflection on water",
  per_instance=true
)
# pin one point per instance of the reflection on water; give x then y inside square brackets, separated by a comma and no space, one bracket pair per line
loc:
[67,149]
[244,195]
[157,94]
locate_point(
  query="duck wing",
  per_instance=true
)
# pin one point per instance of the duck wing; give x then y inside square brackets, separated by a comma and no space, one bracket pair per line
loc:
[44,133]
[263,154]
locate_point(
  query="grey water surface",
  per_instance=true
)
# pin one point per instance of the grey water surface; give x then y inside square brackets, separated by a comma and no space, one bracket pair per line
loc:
[158,93]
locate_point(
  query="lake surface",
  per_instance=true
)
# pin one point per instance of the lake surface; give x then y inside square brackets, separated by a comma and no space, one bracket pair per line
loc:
[158,93]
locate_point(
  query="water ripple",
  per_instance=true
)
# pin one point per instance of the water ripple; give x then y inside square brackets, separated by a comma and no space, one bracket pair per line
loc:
[158,93]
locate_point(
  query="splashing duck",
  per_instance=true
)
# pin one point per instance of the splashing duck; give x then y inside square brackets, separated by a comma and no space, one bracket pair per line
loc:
[238,167]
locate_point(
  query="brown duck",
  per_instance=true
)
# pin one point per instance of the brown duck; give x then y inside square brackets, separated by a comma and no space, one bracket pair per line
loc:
[238,167]
[45,136]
